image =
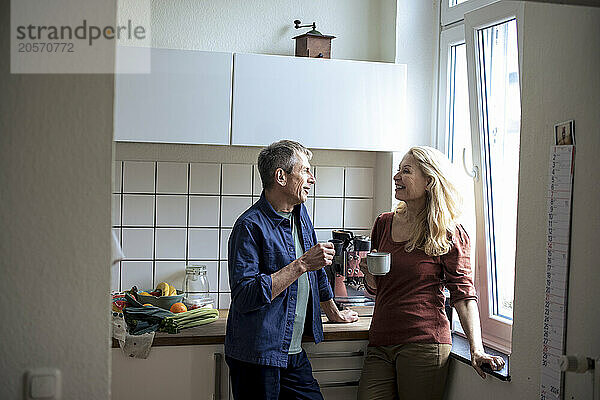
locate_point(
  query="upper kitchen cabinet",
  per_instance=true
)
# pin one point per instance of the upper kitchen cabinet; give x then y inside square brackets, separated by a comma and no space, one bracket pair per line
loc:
[185,97]
[329,104]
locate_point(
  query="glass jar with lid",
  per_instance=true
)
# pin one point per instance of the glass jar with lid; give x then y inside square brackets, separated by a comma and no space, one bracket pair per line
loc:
[196,288]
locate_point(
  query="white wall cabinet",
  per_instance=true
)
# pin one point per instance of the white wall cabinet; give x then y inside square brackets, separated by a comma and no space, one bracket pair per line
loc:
[185,97]
[171,372]
[323,103]
[191,97]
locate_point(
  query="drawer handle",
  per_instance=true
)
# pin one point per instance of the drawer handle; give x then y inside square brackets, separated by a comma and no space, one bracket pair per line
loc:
[338,384]
[218,371]
[359,353]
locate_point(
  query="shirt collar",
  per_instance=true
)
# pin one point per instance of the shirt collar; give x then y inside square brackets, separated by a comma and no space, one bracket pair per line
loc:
[266,207]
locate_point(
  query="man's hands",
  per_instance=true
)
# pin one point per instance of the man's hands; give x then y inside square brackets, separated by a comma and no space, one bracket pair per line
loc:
[345,316]
[318,256]
[335,315]
[314,259]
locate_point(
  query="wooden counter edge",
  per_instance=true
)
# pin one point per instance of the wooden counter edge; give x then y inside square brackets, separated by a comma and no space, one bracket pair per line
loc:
[332,332]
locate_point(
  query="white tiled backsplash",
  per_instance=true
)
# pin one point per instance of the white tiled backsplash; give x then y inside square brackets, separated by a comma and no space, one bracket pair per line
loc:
[167,214]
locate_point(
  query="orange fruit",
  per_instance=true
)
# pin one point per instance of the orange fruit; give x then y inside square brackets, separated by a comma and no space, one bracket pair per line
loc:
[178,307]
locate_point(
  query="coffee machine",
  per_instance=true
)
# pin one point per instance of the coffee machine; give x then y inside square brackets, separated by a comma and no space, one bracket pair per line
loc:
[345,277]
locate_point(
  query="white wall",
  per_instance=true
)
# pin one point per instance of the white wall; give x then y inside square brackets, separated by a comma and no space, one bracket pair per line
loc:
[363,29]
[55,175]
[417,36]
[561,54]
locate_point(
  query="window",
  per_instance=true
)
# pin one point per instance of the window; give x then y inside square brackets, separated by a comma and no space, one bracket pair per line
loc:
[454,10]
[479,128]
[454,133]
[500,116]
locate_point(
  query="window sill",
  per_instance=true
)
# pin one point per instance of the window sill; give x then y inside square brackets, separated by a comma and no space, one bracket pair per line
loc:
[461,352]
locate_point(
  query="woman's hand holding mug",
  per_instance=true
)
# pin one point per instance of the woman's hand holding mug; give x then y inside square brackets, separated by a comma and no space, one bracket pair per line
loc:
[369,278]
[378,263]
[363,265]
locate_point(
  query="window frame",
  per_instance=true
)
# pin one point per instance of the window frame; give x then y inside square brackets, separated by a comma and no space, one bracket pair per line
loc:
[456,13]
[451,36]
[496,331]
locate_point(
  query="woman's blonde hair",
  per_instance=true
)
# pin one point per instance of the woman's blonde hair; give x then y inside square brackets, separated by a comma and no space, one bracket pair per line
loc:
[435,224]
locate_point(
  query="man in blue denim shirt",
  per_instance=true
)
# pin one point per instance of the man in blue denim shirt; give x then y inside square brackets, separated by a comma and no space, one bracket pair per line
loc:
[278,286]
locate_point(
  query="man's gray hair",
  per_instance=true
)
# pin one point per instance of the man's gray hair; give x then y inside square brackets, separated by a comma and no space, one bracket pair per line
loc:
[281,154]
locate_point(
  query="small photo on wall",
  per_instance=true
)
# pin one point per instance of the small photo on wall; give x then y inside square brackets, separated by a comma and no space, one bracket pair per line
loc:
[564,134]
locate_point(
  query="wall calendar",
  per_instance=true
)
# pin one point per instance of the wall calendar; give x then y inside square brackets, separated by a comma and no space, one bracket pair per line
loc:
[558,234]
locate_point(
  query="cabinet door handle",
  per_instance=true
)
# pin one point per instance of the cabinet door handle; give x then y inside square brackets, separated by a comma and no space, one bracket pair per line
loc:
[218,371]
[359,353]
[338,384]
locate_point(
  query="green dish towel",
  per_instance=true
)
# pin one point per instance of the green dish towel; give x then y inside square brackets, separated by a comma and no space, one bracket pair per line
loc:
[188,319]
[144,319]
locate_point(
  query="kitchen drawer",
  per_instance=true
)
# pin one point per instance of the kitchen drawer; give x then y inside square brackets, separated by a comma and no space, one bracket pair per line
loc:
[336,346]
[330,379]
[340,393]
[336,363]
[337,366]
[338,355]
[338,384]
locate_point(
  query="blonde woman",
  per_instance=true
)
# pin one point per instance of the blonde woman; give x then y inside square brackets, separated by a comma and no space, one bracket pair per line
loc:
[409,338]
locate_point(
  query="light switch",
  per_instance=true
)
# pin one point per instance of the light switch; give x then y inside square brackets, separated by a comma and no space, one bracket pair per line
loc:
[43,387]
[43,384]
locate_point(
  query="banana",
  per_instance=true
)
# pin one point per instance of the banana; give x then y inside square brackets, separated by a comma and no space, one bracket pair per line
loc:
[164,288]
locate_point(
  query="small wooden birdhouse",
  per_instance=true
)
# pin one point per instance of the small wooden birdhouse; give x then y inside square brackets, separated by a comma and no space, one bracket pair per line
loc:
[313,43]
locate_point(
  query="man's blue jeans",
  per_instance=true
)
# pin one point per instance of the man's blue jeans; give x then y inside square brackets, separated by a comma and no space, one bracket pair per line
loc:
[252,381]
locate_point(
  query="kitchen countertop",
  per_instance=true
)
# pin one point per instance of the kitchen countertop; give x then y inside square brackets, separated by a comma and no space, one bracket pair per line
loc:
[214,333]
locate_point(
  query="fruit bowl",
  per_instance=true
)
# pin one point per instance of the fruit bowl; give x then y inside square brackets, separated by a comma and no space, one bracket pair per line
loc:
[164,302]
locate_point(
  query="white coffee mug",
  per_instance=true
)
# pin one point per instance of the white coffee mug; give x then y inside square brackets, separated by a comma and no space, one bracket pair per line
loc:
[378,263]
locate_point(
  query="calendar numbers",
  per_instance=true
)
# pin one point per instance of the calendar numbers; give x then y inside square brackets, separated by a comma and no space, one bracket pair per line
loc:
[558,228]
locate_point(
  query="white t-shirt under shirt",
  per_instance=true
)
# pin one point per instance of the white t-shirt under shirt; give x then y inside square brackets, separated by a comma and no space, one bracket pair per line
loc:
[303,291]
